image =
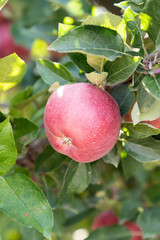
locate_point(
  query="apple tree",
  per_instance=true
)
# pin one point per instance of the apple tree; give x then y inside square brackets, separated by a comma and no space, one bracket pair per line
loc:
[79,120]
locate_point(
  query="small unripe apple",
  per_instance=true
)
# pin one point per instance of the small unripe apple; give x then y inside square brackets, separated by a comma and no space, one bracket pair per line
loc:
[135,230]
[107,218]
[8,45]
[82,121]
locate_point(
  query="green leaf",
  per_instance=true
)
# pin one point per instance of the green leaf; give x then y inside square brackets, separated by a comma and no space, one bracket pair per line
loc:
[112,157]
[130,167]
[12,70]
[144,99]
[152,114]
[137,8]
[151,8]
[152,85]
[121,69]
[96,62]
[81,61]
[76,179]
[49,159]
[97,78]
[153,193]
[52,72]
[110,233]
[22,200]
[142,130]
[8,152]
[79,217]
[108,20]
[32,233]
[2,117]
[149,222]
[133,22]
[22,104]
[129,208]
[24,131]
[75,7]
[124,97]
[64,28]
[2,3]
[91,39]
[143,150]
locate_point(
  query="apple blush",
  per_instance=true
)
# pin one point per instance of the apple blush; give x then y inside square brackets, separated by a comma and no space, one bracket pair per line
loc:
[82,121]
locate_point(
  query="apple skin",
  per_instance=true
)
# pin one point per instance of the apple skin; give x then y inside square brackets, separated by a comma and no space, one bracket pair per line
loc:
[82,121]
[154,123]
[7,44]
[107,218]
[135,230]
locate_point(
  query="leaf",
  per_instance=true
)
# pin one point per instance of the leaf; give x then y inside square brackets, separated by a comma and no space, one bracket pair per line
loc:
[96,62]
[130,167]
[12,70]
[24,131]
[22,200]
[2,3]
[79,217]
[8,152]
[110,233]
[81,61]
[121,69]
[137,8]
[153,193]
[22,104]
[108,20]
[151,8]
[76,179]
[2,117]
[93,40]
[152,114]
[149,222]
[141,130]
[143,150]
[97,78]
[64,28]
[129,208]
[144,99]
[152,85]
[75,7]
[133,22]
[124,97]
[112,157]
[49,159]
[54,72]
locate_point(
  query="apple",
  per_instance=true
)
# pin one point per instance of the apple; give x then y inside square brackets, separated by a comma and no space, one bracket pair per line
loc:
[154,123]
[82,121]
[135,230]
[107,218]
[8,45]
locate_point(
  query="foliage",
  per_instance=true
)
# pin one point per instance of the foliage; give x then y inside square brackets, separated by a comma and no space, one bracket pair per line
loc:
[45,194]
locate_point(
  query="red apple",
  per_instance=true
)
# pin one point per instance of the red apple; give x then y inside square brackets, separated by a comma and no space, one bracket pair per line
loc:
[8,45]
[135,230]
[82,121]
[107,218]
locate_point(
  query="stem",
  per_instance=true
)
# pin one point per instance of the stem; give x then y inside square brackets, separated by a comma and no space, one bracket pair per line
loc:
[132,84]
[155,57]
[145,51]
[128,46]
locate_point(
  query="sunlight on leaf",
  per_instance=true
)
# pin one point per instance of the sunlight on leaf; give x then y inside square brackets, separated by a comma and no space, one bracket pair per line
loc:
[12,70]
